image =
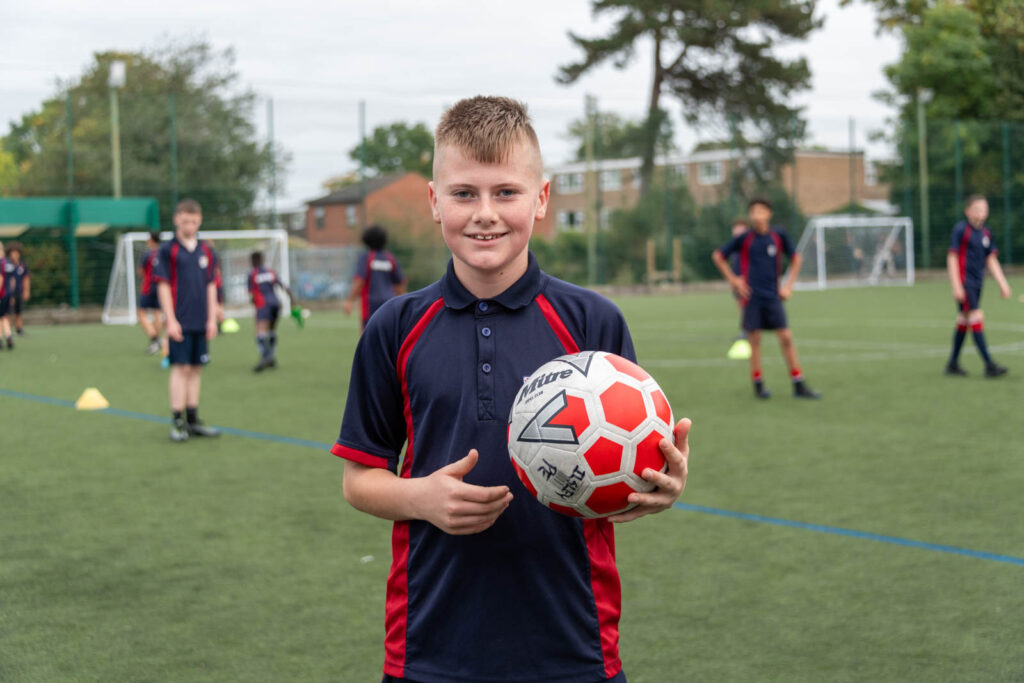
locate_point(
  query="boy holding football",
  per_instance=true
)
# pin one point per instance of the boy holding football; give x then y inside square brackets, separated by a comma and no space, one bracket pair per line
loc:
[485,583]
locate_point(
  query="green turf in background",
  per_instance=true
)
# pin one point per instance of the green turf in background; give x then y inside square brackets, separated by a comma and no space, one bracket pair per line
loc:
[126,557]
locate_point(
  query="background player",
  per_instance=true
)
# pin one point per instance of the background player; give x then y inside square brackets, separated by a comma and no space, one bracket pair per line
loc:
[5,302]
[378,276]
[263,283]
[971,250]
[19,281]
[149,302]
[444,364]
[188,297]
[760,250]
[740,349]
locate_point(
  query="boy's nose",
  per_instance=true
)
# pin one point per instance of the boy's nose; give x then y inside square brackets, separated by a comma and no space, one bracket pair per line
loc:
[485,213]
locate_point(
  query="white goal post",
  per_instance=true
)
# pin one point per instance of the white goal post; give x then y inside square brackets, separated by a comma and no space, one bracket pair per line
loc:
[856,251]
[232,246]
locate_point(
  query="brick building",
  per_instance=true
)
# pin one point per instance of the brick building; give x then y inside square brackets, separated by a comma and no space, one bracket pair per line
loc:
[818,180]
[396,201]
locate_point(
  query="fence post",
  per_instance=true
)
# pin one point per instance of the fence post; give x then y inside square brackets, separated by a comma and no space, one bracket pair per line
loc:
[72,214]
[1007,215]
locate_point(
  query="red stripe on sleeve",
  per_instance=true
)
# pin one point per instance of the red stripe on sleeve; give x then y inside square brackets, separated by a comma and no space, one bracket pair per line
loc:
[559,328]
[361,457]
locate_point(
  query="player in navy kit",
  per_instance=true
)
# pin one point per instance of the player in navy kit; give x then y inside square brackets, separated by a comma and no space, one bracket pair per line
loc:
[378,276]
[485,583]
[760,252]
[20,281]
[971,251]
[5,302]
[263,283]
[188,297]
[149,302]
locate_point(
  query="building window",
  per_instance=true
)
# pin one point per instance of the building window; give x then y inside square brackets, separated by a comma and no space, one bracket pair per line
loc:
[680,172]
[570,220]
[606,218]
[611,180]
[318,216]
[569,183]
[712,173]
[870,173]
[351,215]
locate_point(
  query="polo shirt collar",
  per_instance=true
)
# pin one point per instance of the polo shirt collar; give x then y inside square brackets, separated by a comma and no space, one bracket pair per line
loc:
[520,294]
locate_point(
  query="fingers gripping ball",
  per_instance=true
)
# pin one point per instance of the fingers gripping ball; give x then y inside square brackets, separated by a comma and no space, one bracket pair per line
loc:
[582,430]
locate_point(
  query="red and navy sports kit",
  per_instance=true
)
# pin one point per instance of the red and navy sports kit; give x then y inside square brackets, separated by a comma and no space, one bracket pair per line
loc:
[972,247]
[262,285]
[760,265]
[148,298]
[188,273]
[536,597]
[4,291]
[380,273]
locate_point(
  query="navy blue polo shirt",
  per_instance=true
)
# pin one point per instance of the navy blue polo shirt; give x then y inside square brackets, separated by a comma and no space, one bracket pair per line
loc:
[972,247]
[380,273]
[15,274]
[760,258]
[188,273]
[261,287]
[536,596]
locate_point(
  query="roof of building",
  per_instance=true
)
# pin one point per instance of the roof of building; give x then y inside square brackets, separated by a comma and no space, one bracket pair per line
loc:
[353,194]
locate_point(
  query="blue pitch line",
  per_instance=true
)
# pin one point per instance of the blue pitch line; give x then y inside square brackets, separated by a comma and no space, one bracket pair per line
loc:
[131,414]
[852,533]
[689,507]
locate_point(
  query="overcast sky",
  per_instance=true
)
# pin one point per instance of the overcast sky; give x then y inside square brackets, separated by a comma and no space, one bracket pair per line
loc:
[407,59]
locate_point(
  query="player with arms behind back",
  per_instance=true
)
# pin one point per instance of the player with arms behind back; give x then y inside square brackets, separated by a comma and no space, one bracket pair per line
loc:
[971,251]
[485,583]
[760,250]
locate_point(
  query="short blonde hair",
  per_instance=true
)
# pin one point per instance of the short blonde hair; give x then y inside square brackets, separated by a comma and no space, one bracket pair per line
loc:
[485,128]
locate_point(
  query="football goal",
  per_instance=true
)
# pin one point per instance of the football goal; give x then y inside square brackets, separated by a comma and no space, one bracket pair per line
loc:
[232,246]
[856,251]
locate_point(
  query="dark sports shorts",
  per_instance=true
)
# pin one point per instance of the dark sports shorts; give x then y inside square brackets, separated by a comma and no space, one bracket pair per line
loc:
[5,305]
[191,350]
[618,678]
[971,302]
[16,304]
[764,314]
[268,313]
[149,301]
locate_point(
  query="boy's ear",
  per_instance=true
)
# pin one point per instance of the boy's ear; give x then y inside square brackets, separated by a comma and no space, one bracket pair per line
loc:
[432,196]
[542,203]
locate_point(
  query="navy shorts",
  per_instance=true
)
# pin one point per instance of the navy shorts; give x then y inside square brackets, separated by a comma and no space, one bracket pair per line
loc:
[191,350]
[149,301]
[764,314]
[16,304]
[268,313]
[971,302]
[5,305]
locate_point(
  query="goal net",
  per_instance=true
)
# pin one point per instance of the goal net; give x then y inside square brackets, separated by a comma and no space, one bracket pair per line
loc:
[856,251]
[232,246]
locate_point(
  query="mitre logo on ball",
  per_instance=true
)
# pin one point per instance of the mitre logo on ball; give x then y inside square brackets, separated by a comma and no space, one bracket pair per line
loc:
[583,428]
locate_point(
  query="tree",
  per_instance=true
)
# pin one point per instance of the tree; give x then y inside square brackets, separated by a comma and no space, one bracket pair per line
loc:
[398,147]
[219,162]
[714,56]
[8,173]
[619,138]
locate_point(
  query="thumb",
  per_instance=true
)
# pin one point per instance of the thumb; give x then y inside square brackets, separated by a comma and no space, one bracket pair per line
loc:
[461,468]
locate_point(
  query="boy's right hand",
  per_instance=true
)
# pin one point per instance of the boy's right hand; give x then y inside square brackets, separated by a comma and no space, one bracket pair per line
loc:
[958,293]
[458,508]
[174,330]
[740,286]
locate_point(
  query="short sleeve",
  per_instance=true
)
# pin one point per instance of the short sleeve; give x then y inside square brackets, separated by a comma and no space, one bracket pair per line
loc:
[607,331]
[361,264]
[956,238]
[787,244]
[373,426]
[733,245]
[211,271]
[161,263]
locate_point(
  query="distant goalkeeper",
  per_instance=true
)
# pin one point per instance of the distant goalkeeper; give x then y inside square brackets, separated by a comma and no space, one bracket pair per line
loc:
[263,284]
[971,251]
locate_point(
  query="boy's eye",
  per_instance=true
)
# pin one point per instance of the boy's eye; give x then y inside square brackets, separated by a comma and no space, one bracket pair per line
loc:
[507,193]
[462,194]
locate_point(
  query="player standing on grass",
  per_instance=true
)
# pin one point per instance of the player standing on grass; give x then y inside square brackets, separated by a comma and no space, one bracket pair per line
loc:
[971,251]
[188,297]
[760,250]
[149,302]
[378,276]
[263,283]
[5,301]
[740,348]
[486,584]
[20,283]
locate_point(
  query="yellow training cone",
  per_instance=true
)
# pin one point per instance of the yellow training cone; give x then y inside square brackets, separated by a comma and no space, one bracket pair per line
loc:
[91,399]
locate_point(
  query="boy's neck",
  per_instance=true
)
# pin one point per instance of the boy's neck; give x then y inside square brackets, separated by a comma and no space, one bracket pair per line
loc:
[188,242]
[761,230]
[484,285]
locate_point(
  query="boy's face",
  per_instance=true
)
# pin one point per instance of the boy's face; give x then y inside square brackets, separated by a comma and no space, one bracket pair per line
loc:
[760,217]
[487,211]
[187,224]
[977,212]
[15,255]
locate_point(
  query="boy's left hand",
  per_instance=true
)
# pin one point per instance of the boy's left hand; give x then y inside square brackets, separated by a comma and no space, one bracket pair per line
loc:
[669,484]
[785,292]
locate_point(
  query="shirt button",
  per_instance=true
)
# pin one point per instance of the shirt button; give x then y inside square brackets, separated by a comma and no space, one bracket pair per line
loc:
[483,306]
[486,332]
[486,367]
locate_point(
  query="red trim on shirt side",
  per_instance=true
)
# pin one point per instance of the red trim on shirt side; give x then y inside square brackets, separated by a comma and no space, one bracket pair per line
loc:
[396,606]
[559,328]
[172,269]
[745,260]
[962,254]
[257,296]
[361,457]
[604,583]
